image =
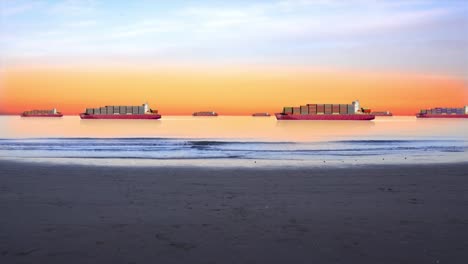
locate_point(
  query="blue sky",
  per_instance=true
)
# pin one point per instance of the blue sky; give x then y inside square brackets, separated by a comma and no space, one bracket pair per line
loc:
[429,37]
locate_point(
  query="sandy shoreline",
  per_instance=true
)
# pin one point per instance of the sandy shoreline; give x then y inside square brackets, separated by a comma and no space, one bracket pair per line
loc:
[236,163]
[363,214]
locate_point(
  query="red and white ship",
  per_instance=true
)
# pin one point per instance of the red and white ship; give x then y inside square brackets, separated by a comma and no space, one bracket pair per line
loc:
[42,113]
[121,112]
[326,112]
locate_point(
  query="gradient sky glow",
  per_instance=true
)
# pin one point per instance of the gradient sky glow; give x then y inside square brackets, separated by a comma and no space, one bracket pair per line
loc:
[324,43]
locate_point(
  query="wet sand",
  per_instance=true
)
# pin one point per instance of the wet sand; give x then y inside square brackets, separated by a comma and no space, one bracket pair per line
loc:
[364,214]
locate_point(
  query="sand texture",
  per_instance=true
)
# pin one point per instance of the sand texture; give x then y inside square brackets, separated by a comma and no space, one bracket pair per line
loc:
[374,214]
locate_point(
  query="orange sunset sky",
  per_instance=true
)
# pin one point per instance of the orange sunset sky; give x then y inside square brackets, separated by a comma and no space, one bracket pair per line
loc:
[229,91]
[232,57]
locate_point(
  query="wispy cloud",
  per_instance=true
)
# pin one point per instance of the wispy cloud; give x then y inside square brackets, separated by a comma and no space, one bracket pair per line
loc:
[9,8]
[299,31]
[74,7]
[271,21]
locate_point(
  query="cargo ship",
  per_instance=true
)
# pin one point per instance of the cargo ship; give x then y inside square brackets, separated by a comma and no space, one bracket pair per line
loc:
[121,112]
[42,113]
[205,113]
[351,111]
[444,112]
[382,113]
[261,114]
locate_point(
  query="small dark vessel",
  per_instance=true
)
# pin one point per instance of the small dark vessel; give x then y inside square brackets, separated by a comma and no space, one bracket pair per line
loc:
[42,113]
[261,114]
[205,113]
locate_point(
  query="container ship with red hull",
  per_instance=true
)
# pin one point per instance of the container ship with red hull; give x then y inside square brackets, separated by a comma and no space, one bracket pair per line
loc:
[326,112]
[42,113]
[121,112]
[444,112]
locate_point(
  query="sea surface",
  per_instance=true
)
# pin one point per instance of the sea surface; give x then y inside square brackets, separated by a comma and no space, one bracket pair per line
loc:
[237,140]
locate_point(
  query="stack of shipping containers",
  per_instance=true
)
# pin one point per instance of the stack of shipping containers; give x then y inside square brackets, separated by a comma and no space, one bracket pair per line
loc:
[122,110]
[39,112]
[335,109]
[288,110]
[443,111]
[343,109]
[320,109]
[112,110]
[328,109]
[312,109]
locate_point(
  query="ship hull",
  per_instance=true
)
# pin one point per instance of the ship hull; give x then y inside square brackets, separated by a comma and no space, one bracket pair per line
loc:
[50,115]
[140,116]
[364,117]
[441,116]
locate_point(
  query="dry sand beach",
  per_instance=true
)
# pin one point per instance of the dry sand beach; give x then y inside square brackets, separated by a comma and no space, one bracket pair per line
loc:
[362,214]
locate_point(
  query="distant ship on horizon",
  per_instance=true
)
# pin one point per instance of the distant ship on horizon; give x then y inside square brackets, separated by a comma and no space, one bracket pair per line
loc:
[205,113]
[326,112]
[382,113]
[121,112]
[264,114]
[444,112]
[42,113]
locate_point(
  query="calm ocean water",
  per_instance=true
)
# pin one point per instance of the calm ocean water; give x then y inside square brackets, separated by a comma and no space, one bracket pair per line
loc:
[384,140]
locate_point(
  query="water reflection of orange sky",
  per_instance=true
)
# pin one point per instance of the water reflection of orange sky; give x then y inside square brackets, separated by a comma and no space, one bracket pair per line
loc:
[227,91]
[230,127]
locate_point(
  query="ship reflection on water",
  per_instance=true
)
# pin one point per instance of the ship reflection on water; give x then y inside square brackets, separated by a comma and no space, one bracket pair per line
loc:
[305,130]
[234,127]
[236,137]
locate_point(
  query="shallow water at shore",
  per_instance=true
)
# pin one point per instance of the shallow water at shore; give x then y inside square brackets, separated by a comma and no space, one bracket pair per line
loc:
[186,139]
